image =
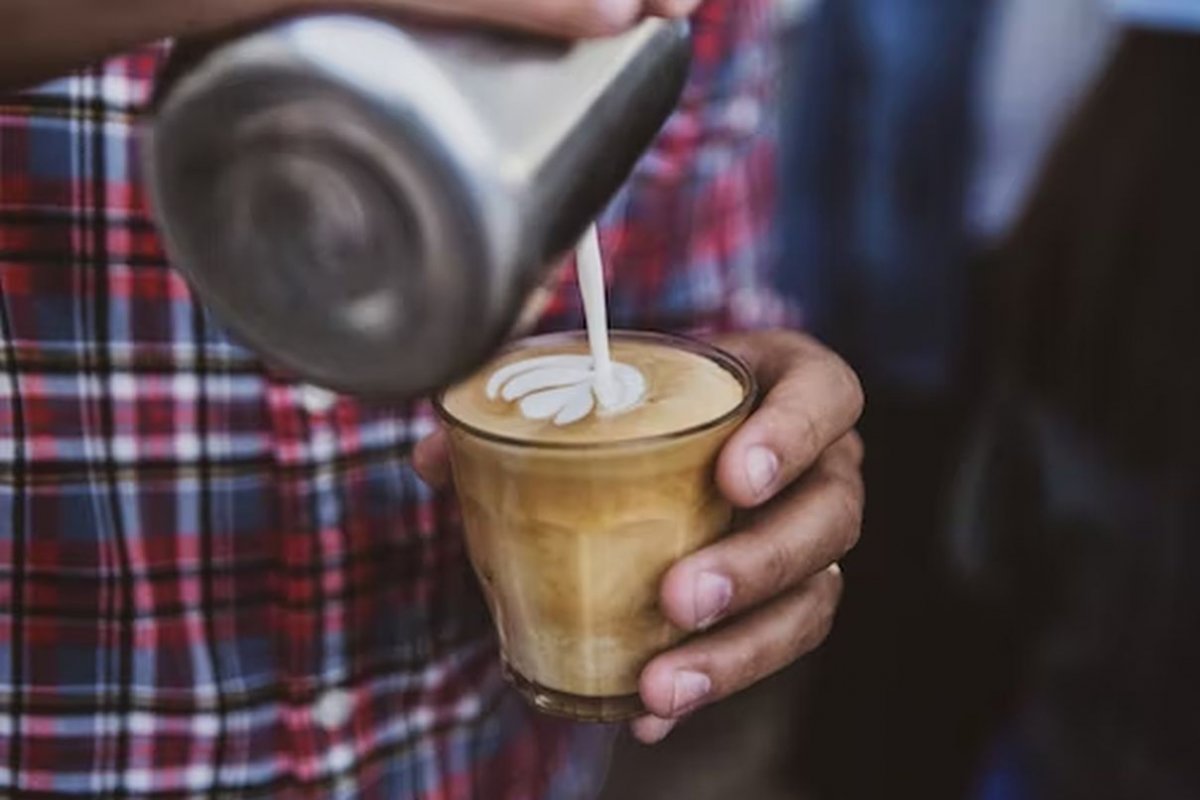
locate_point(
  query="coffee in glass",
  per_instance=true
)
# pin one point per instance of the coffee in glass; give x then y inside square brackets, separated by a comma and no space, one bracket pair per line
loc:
[573,519]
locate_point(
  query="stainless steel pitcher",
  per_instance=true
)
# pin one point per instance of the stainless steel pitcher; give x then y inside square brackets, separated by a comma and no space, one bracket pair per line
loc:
[370,205]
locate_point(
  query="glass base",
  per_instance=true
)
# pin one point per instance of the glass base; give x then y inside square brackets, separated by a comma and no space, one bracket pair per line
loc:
[574,706]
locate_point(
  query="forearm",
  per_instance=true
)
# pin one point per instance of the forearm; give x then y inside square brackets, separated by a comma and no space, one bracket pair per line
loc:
[44,38]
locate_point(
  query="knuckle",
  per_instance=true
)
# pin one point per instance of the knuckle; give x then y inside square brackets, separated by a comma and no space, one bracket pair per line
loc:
[783,337]
[822,629]
[809,431]
[789,350]
[808,635]
[831,584]
[850,386]
[602,17]
[836,579]
[801,641]
[850,508]
[776,568]
[856,448]
[674,8]
[736,668]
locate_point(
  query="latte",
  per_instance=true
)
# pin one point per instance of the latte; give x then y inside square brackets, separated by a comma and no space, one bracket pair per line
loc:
[572,527]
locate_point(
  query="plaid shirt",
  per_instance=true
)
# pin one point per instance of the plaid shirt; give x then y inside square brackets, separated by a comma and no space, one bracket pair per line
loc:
[218,582]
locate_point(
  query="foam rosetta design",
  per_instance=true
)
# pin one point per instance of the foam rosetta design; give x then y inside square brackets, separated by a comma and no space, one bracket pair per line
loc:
[565,389]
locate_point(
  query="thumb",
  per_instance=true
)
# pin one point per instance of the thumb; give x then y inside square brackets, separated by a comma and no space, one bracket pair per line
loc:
[431,460]
[565,18]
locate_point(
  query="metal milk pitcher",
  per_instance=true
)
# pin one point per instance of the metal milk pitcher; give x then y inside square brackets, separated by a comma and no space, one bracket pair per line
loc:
[370,204]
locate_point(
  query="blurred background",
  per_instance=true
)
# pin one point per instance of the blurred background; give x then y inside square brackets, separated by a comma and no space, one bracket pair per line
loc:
[990,207]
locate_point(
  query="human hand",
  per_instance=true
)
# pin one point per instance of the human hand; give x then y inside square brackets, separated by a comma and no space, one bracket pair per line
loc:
[765,595]
[565,18]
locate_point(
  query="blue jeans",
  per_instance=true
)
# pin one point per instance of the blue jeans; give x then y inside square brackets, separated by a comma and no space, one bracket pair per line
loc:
[878,146]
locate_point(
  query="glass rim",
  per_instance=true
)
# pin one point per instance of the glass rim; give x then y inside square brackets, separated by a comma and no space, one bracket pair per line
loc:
[723,358]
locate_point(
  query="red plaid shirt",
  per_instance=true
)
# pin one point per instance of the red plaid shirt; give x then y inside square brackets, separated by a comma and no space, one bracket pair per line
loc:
[217,582]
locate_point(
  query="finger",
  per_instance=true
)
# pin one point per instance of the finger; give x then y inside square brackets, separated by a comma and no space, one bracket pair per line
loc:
[651,729]
[673,8]
[730,659]
[565,18]
[812,525]
[812,399]
[431,460]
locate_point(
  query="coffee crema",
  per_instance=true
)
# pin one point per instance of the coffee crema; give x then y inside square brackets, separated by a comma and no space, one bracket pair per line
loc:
[683,390]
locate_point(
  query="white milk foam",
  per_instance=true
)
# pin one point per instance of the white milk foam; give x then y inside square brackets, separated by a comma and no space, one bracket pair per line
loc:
[569,388]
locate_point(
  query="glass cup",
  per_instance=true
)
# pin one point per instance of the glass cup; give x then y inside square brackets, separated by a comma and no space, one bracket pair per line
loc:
[571,542]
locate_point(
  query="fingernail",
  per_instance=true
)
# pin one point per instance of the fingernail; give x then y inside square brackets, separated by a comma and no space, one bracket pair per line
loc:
[618,14]
[762,466]
[688,690]
[652,730]
[677,8]
[713,595]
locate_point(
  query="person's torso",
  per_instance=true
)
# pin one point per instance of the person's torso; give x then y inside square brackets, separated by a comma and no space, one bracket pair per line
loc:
[217,581]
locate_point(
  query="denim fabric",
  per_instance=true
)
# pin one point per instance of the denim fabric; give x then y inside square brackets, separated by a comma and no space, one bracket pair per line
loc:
[873,242]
